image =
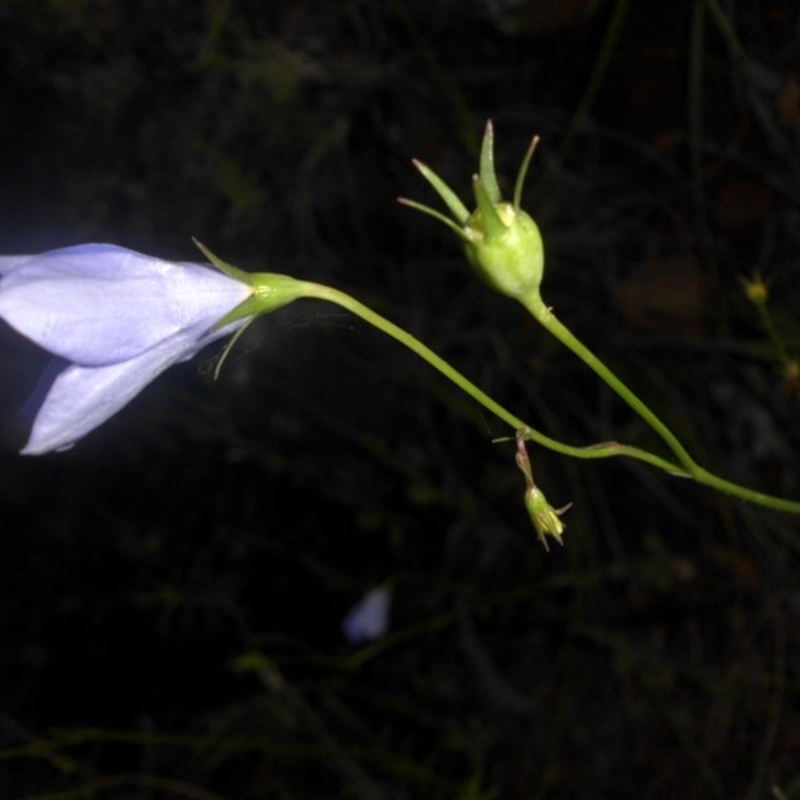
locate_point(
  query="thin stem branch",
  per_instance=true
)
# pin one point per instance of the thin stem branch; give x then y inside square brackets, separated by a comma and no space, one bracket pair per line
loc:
[603,450]
[546,317]
[690,467]
[687,468]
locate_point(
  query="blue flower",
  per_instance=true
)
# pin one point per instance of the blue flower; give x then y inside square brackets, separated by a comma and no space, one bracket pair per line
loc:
[368,619]
[114,319]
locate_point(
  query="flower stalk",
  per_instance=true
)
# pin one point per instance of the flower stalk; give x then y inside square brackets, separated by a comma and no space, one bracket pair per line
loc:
[503,244]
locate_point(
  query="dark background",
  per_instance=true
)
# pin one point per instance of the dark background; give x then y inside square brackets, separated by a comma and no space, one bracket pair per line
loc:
[171,590]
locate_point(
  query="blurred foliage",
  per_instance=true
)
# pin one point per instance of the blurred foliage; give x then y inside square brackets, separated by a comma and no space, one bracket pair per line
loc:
[172,588]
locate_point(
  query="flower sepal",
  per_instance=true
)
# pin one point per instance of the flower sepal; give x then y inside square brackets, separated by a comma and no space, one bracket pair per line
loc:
[546,519]
[270,290]
[502,242]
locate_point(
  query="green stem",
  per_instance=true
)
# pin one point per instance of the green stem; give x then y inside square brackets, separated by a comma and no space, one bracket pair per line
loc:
[772,332]
[598,74]
[604,450]
[727,30]
[687,468]
[546,317]
[690,467]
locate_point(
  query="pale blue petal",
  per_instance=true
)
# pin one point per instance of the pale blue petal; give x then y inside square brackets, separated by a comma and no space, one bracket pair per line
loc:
[100,304]
[7,263]
[82,398]
[35,400]
[369,618]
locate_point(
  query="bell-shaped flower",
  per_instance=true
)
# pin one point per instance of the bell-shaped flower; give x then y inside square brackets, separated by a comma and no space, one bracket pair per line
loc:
[115,319]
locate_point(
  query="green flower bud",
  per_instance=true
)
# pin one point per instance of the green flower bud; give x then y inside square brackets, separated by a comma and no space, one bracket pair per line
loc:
[510,258]
[501,241]
[544,517]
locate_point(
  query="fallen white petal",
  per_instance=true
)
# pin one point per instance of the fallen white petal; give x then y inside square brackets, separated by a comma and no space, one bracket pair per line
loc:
[369,618]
